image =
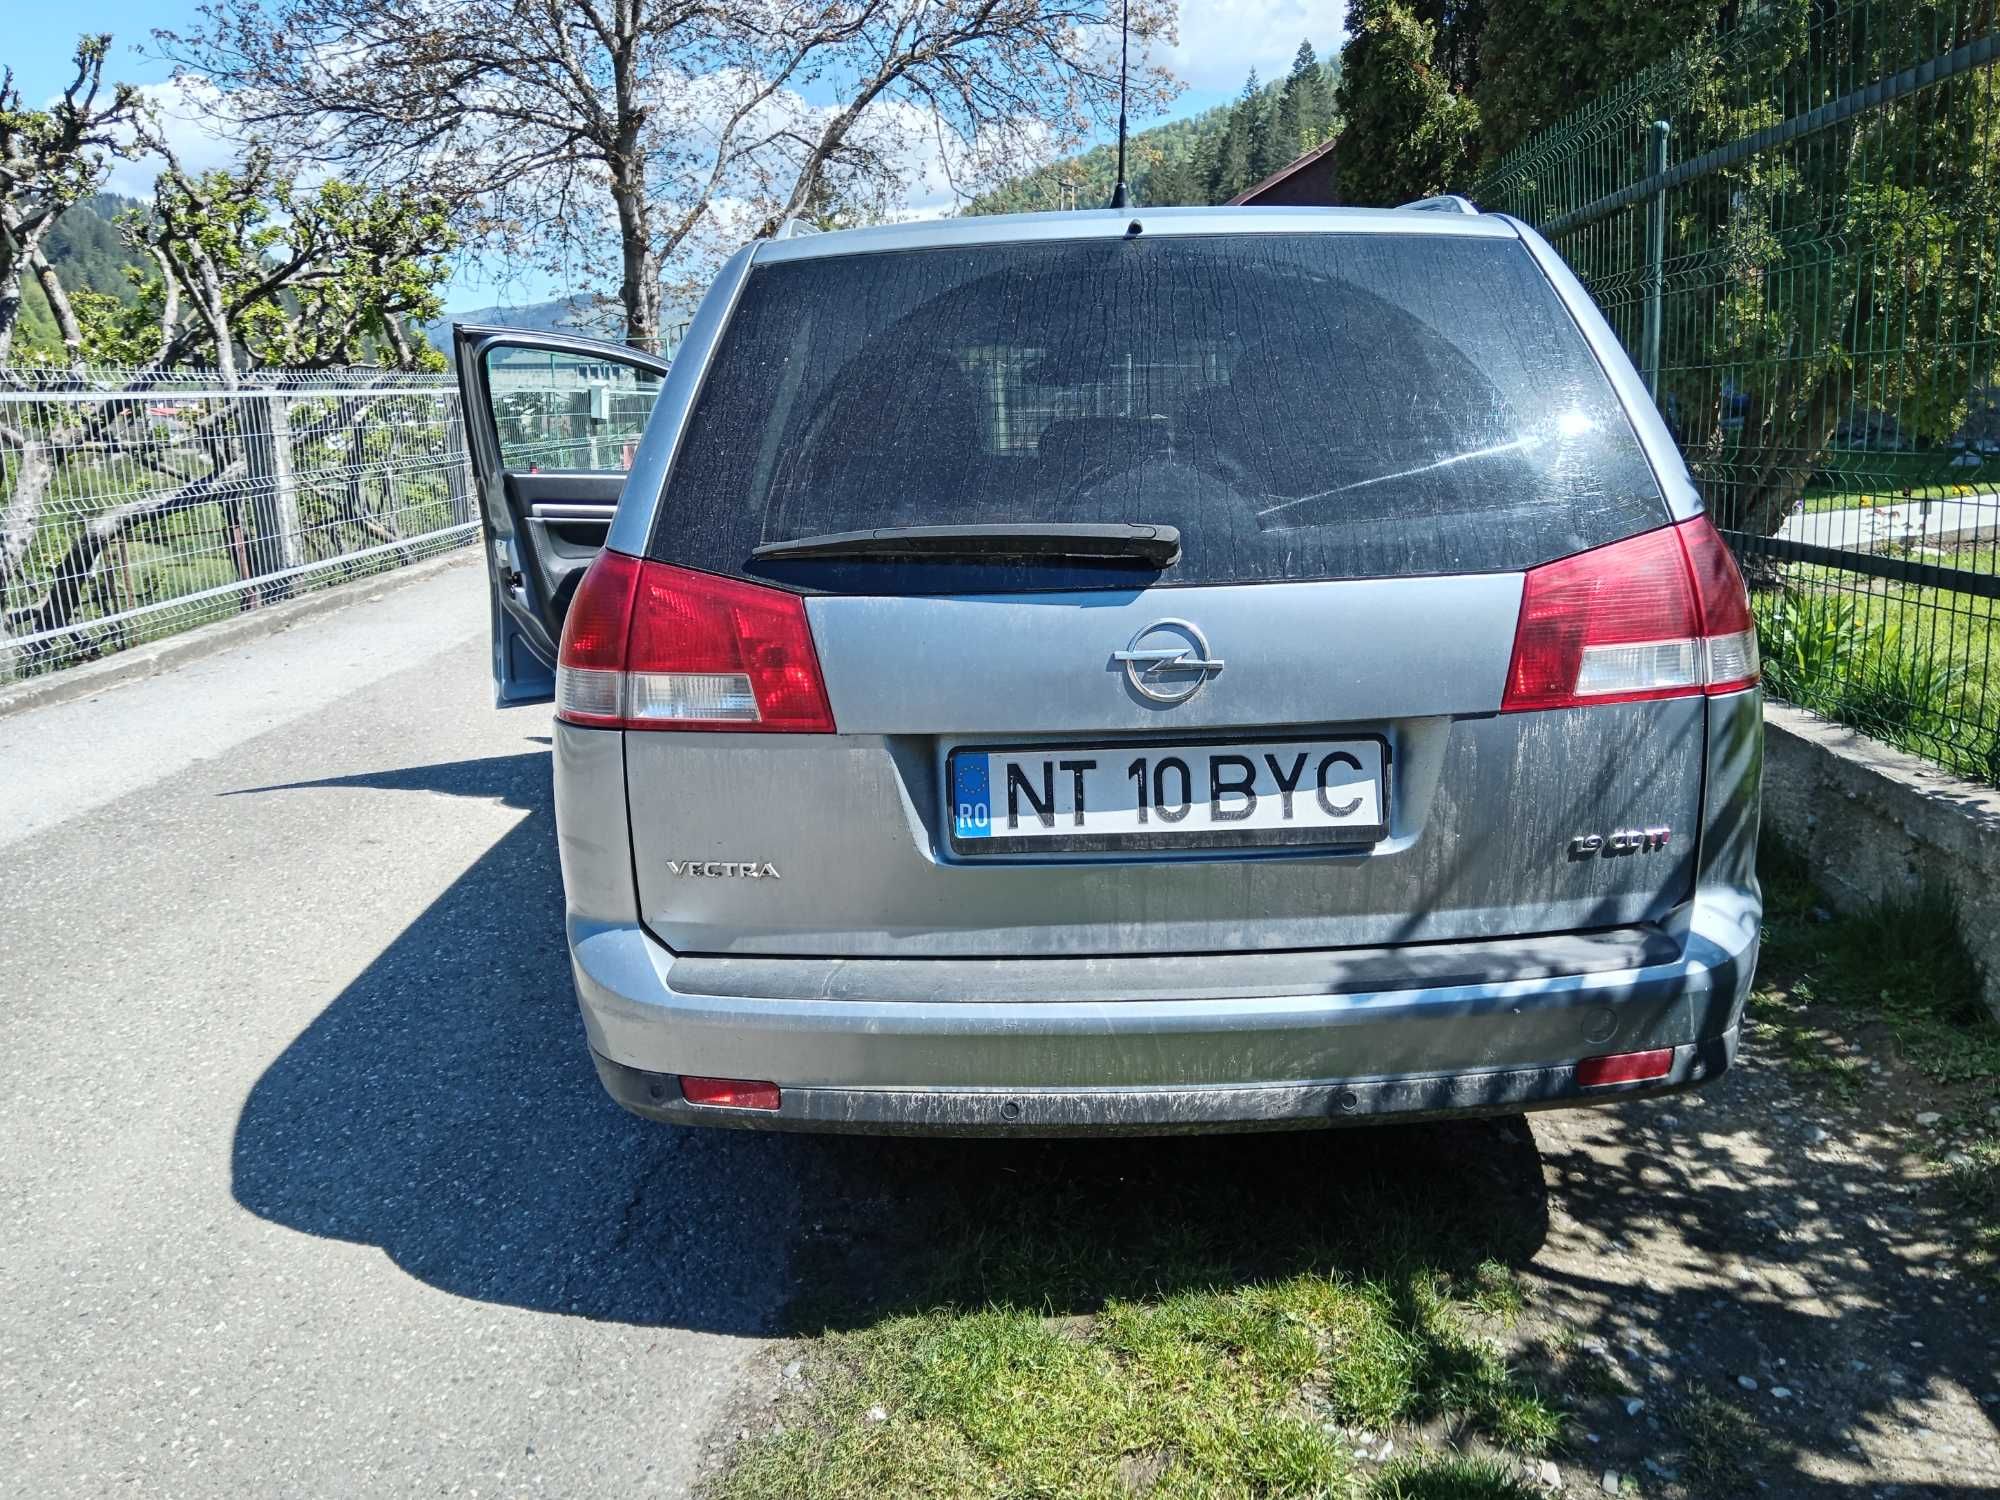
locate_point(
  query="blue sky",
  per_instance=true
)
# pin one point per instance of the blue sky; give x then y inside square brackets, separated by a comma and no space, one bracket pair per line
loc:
[1220,40]
[42,36]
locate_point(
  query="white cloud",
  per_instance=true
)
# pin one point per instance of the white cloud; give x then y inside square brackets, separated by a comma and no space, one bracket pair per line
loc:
[1221,40]
[190,116]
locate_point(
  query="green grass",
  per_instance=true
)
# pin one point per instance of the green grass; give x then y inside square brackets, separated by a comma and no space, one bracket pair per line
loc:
[1917,667]
[1449,1478]
[1000,1402]
[1722,1444]
[1974,1182]
[1224,1390]
[1852,479]
[1902,964]
[1201,1317]
[1804,1045]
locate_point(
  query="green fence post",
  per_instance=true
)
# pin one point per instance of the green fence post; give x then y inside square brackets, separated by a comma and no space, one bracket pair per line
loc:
[1656,258]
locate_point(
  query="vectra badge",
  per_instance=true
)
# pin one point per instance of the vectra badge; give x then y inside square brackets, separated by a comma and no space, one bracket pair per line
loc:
[1624,841]
[722,869]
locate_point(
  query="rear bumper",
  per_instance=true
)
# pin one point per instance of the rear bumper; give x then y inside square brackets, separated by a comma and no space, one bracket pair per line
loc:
[1220,1042]
[1160,1111]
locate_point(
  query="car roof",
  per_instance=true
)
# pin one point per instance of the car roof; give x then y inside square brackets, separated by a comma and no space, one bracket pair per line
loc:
[1108,223]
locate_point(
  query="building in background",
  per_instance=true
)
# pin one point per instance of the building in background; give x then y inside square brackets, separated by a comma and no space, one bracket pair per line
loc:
[1308,181]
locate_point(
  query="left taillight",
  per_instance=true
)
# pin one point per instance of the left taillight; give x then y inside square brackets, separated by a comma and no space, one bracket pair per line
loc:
[1660,615]
[648,645]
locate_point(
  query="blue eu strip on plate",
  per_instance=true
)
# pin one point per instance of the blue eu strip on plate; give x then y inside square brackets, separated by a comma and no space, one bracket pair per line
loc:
[971,797]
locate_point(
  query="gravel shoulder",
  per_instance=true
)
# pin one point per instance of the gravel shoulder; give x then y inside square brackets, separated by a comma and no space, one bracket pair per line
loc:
[1780,1281]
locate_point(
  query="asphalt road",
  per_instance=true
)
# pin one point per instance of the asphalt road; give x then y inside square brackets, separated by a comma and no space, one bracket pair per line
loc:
[306,1184]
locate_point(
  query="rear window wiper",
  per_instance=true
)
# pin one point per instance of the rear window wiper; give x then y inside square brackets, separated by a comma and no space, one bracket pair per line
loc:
[1159,546]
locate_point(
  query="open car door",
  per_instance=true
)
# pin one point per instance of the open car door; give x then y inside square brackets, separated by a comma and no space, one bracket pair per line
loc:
[551,422]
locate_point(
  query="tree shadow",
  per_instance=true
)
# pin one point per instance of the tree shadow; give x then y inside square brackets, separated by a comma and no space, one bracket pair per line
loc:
[1703,1247]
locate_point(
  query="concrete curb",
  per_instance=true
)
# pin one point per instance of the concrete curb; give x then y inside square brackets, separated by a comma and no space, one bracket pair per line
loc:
[1875,821]
[192,645]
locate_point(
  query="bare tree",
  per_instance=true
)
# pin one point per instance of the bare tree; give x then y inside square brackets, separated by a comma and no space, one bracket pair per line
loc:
[251,272]
[636,131]
[916,64]
[50,159]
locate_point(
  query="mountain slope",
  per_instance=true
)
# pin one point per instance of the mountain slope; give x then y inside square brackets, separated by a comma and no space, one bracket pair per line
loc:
[578,313]
[1205,158]
[84,248]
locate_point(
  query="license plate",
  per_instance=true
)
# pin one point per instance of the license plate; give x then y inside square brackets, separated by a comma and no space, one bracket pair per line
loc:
[1046,799]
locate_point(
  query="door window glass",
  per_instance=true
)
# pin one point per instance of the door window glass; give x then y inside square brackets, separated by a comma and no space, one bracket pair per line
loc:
[559,410]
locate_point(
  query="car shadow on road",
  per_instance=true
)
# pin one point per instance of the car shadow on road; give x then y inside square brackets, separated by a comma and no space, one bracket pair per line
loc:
[442,1107]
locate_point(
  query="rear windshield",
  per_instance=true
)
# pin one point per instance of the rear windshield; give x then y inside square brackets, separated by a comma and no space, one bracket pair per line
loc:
[1300,406]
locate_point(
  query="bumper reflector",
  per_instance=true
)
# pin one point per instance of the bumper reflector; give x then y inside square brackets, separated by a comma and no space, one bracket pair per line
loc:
[730,1093]
[1625,1067]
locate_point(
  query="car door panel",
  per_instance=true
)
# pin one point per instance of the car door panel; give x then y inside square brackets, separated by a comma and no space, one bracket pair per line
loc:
[552,425]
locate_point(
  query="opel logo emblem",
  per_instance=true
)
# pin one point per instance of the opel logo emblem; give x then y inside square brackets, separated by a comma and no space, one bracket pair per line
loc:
[1168,662]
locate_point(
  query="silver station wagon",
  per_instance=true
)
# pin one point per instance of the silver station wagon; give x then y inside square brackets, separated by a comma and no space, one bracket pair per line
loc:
[1151,670]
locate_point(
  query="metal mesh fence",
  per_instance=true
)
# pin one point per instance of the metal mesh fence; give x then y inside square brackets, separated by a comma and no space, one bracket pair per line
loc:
[1794,226]
[136,505]
[555,409]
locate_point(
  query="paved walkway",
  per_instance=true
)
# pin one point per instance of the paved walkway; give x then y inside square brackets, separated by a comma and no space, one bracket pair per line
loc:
[1867,528]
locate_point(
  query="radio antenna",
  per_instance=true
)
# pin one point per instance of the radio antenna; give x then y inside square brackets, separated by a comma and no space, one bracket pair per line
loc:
[1121,196]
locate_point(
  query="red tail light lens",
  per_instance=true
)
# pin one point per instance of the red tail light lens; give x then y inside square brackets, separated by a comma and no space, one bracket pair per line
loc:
[651,646]
[1662,615]
[590,663]
[1725,608]
[731,1093]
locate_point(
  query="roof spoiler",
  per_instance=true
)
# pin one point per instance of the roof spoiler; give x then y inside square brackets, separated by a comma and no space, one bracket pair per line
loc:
[1443,203]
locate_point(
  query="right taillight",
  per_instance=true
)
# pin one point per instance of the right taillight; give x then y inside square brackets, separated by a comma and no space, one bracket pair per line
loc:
[650,646]
[1726,623]
[1661,615]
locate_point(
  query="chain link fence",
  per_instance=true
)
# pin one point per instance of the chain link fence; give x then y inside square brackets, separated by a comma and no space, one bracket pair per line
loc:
[134,505]
[1794,226]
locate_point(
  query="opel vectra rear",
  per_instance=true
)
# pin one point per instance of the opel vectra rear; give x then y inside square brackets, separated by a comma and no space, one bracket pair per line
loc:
[1204,669]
